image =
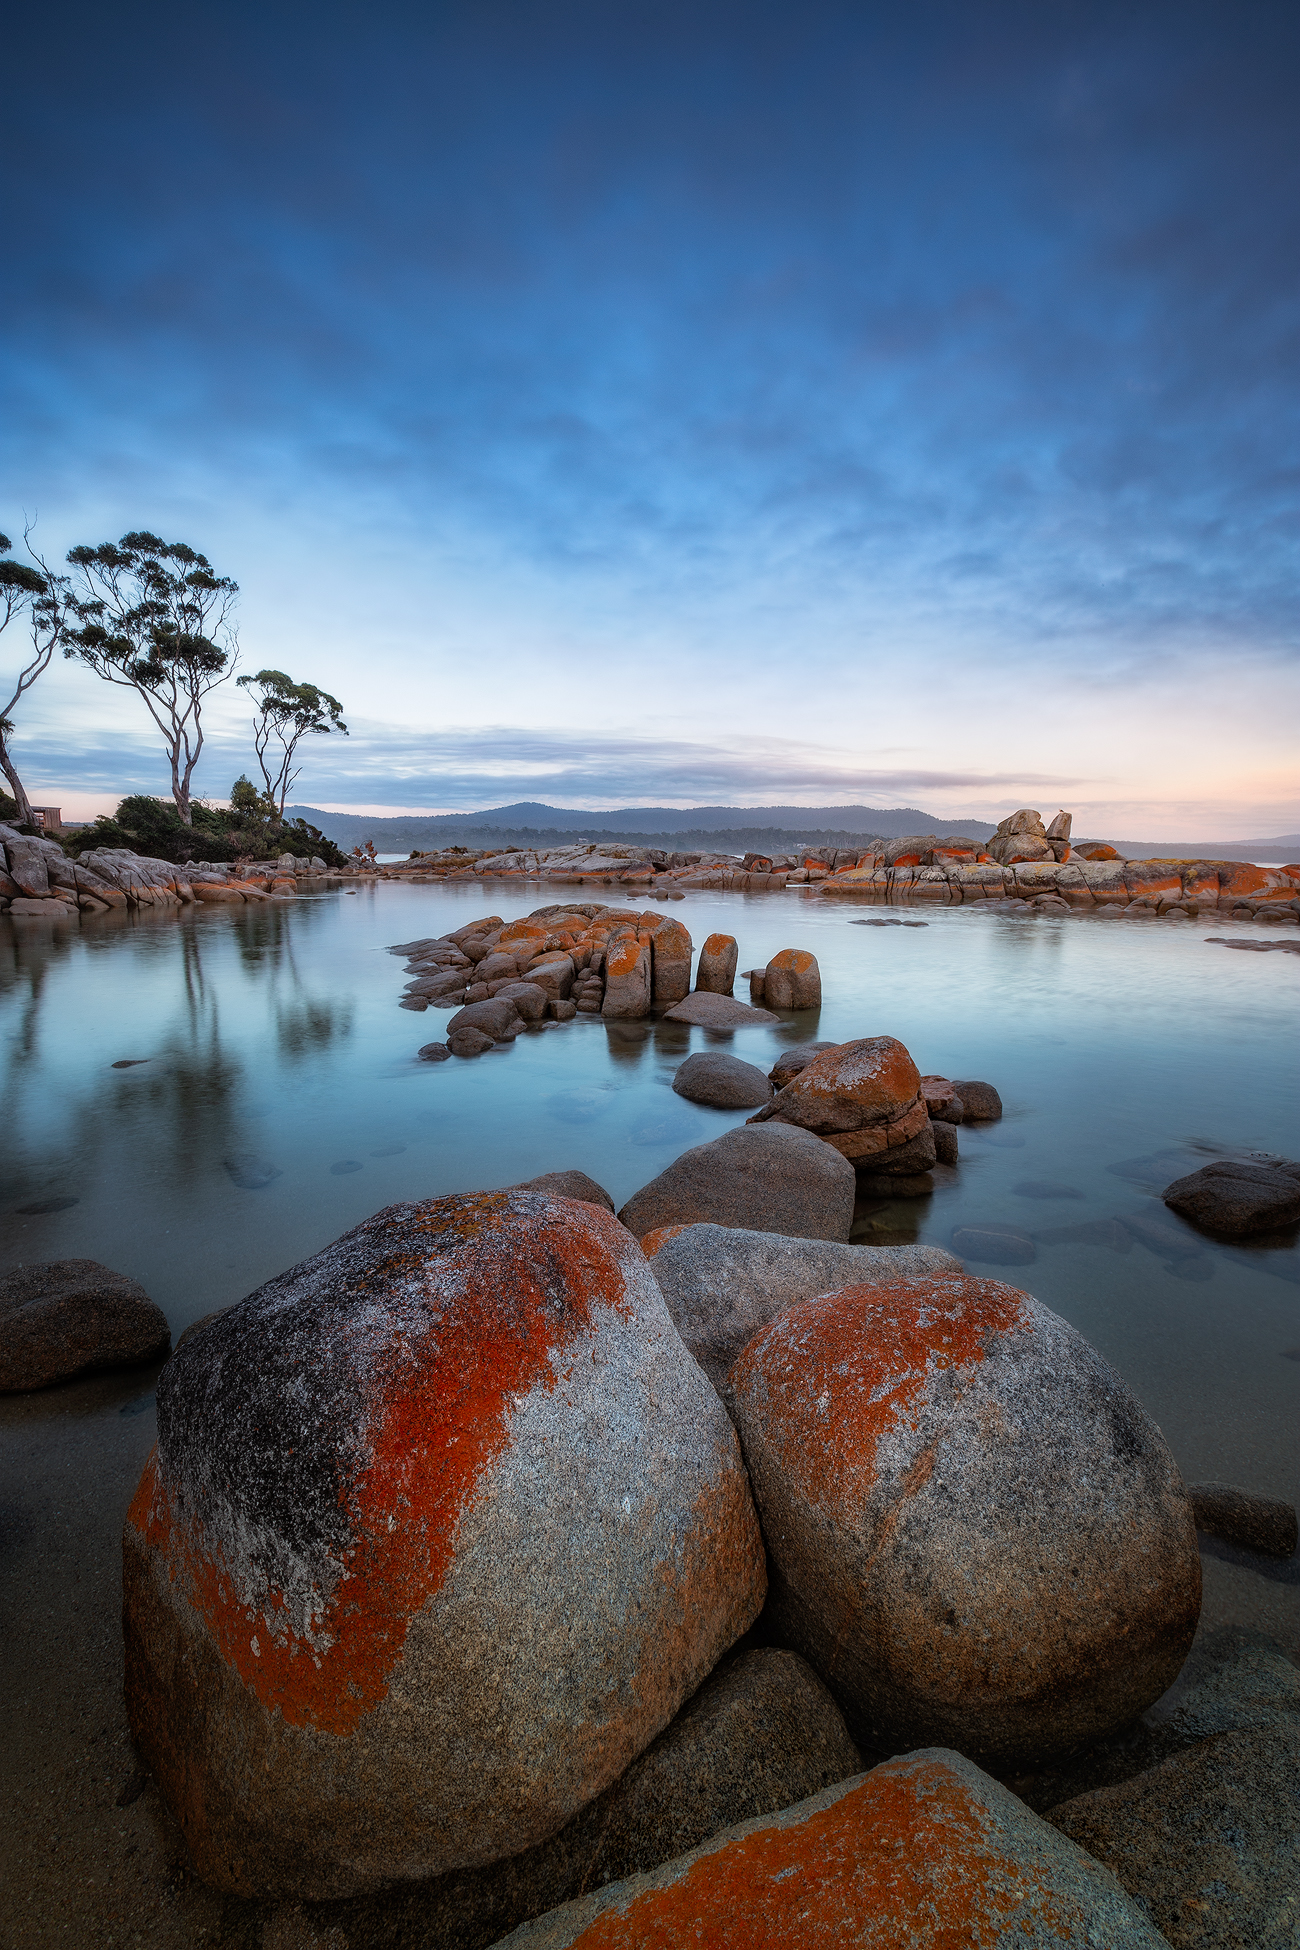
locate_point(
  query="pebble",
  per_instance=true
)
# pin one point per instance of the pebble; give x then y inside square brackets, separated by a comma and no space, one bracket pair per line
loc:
[429,1053]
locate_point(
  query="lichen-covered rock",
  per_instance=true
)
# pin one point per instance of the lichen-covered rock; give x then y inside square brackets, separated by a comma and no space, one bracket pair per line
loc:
[708,1077]
[627,978]
[771,1180]
[792,980]
[442,1527]
[975,1533]
[723,1284]
[670,951]
[924,1851]
[716,971]
[761,1733]
[66,1317]
[862,1098]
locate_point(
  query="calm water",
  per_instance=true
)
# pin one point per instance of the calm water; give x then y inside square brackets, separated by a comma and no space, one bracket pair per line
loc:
[273,1043]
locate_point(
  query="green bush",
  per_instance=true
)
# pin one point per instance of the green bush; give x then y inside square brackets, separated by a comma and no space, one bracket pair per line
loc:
[152,827]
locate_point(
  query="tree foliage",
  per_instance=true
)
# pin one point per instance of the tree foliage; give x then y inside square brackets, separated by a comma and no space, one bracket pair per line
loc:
[286,712]
[242,831]
[156,618]
[44,601]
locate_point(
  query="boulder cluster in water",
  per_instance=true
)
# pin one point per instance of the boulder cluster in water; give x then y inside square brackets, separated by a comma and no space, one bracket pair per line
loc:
[37,879]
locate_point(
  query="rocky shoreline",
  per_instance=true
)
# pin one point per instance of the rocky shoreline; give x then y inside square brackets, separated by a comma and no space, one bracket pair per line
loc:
[1026,863]
[1027,866]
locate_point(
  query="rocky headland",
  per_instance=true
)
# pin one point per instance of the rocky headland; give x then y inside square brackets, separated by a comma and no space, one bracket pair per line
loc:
[38,880]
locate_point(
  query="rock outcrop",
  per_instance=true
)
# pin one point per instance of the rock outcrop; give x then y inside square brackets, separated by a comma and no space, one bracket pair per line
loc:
[442,1528]
[923,1851]
[65,1317]
[975,1533]
[771,1180]
[863,1098]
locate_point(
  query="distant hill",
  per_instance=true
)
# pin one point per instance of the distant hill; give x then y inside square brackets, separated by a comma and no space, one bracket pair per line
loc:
[723,829]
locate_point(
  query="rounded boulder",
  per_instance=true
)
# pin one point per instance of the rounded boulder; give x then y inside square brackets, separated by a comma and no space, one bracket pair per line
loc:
[863,1098]
[723,1081]
[442,1527]
[975,1532]
[66,1317]
[772,1179]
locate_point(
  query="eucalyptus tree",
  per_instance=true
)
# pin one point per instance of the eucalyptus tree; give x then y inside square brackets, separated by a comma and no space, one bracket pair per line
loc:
[42,601]
[285,713]
[155,618]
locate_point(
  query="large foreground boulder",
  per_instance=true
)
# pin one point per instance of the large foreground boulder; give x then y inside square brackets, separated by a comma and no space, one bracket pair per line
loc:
[863,1098]
[66,1317]
[761,1733]
[723,1285]
[1228,1198]
[442,1527]
[975,1533]
[925,1851]
[773,1180]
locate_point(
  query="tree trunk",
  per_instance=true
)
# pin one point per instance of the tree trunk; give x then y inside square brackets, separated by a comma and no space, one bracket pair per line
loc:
[16,784]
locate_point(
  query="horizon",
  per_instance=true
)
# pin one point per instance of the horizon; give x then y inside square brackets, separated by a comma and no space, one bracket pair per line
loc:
[676,409]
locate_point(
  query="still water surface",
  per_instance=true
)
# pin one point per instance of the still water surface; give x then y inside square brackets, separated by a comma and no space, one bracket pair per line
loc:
[267,1045]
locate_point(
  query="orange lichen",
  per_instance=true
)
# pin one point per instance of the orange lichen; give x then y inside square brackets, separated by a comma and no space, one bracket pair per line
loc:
[659,1237]
[436,1411]
[840,1372]
[907,1857]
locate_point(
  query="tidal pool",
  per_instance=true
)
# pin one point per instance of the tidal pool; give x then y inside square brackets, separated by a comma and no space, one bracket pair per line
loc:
[271,1098]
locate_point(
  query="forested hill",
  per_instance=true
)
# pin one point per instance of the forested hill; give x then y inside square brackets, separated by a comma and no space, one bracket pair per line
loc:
[725,829]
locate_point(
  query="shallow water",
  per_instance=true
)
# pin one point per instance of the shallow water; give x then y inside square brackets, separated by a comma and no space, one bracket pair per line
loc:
[274,1100]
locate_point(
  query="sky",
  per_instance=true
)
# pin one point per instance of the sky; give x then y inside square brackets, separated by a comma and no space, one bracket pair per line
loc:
[681,404]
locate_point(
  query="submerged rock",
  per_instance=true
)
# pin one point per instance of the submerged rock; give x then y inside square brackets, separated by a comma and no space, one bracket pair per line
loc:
[723,1081]
[1264,1524]
[773,1179]
[995,1245]
[1231,1198]
[975,1532]
[925,1850]
[442,1528]
[66,1317]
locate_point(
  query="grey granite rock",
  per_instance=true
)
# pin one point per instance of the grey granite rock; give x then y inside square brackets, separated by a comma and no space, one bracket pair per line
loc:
[708,1077]
[1230,1198]
[708,1011]
[1263,1524]
[66,1317]
[766,1177]
[723,1284]
[567,1184]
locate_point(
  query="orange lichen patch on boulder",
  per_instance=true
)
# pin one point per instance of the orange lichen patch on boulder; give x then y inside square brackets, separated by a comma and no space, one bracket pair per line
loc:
[1244,880]
[854,1086]
[864,1356]
[659,1237]
[623,956]
[907,1855]
[435,1403]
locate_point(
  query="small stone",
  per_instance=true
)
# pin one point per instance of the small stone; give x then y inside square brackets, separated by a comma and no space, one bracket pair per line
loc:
[562,1010]
[980,1102]
[416,1003]
[945,1143]
[428,1053]
[469,1041]
[723,1081]
[942,1100]
[66,1317]
[1263,1524]
[994,1245]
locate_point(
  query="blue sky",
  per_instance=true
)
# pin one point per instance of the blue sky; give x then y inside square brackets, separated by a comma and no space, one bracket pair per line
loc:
[683,404]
